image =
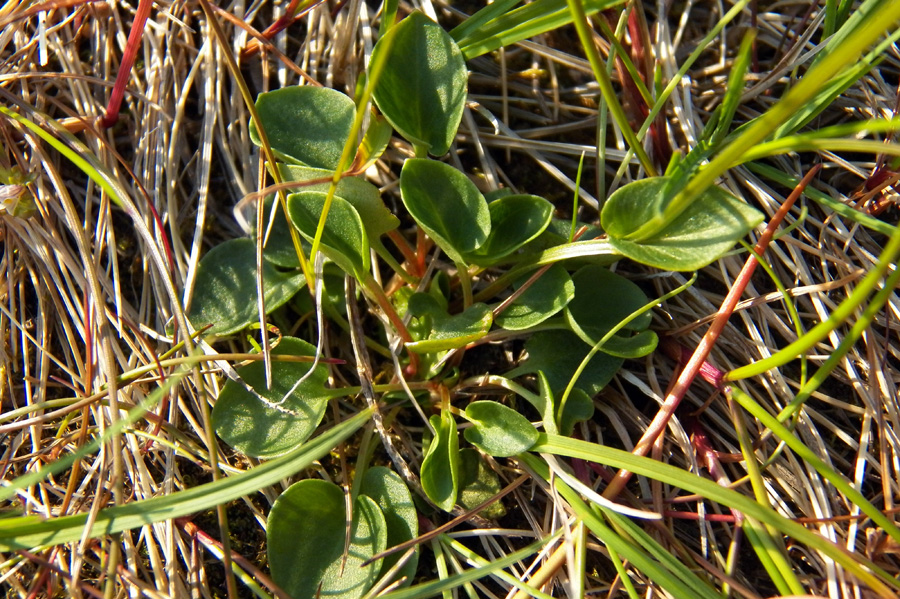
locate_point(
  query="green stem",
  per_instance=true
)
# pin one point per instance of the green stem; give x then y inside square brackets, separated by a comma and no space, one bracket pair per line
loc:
[761,127]
[806,454]
[839,316]
[465,281]
[859,327]
[579,18]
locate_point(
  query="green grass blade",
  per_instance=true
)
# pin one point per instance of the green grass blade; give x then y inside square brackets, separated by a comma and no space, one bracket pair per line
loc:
[429,590]
[480,19]
[770,552]
[692,587]
[28,532]
[844,210]
[806,454]
[522,23]
[880,581]
[840,315]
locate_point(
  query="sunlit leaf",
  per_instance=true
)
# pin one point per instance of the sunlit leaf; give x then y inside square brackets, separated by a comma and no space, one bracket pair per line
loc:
[245,422]
[422,89]
[305,533]
[447,205]
[305,124]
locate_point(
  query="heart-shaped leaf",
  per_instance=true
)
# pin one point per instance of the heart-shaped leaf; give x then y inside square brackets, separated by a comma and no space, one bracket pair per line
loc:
[448,332]
[497,430]
[558,354]
[440,466]
[515,220]
[602,300]
[305,534]
[305,124]
[446,204]
[708,228]
[389,492]
[477,484]
[243,420]
[344,240]
[225,288]
[422,89]
[546,296]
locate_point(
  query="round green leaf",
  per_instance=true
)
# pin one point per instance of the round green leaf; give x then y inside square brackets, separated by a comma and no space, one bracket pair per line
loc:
[515,220]
[225,294]
[389,491]
[364,196]
[440,466]
[244,421]
[498,430]
[547,296]
[558,354]
[447,205]
[305,124]
[305,534]
[344,239]
[602,300]
[708,228]
[422,89]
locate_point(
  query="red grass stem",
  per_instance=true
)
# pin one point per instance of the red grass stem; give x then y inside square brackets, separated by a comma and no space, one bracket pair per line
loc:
[698,358]
[128,58]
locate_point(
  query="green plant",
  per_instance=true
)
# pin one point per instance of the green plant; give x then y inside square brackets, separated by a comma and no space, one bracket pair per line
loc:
[458,266]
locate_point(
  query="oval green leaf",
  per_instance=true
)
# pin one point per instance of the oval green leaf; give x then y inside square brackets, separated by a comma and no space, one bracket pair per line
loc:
[558,354]
[305,534]
[389,491]
[450,332]
[497,430]
[602,300]
[344,240]
[515,220]
[447,205]
[305,124]
[225,293]
[708,228]
[245,422]
[440,466]
[364,196]
[422,89]
[546,296]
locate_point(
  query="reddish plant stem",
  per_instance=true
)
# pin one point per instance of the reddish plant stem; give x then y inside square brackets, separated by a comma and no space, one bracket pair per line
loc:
[128,58]
[204,539]
[693,366]
[290,17]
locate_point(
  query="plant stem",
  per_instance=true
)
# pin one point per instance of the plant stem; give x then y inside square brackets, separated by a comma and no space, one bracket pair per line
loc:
[579,18]
[377,293]
[128,58]
[840,315]
[761,127]
[686,378]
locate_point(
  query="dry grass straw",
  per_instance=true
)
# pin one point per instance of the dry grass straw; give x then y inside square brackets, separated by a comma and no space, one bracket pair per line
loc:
[83,304]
